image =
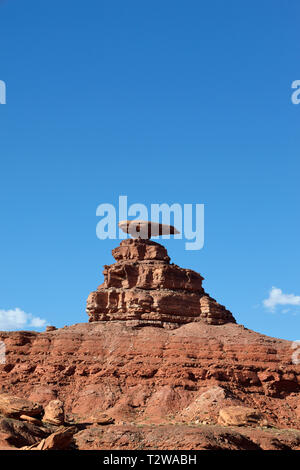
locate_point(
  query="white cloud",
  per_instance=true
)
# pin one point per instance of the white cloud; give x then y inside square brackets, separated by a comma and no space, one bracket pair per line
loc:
[17,319]
[277,297]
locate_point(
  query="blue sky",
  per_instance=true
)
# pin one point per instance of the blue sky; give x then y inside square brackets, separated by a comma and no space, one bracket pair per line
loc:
[162,101]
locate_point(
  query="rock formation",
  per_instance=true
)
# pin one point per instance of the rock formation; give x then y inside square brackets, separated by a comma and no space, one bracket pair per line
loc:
[142,286]
[239,416]
[54,413]
[199,381]
[138,378]
[146,229]
[14,407]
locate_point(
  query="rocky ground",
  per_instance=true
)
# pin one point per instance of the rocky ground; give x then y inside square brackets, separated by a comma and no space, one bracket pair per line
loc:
[125,387]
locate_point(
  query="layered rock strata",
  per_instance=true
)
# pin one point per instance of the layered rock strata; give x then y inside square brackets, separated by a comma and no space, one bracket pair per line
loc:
[143,286]
[151,375]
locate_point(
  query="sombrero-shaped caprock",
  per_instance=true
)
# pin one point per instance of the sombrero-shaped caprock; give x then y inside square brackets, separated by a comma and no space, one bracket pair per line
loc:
[146,229]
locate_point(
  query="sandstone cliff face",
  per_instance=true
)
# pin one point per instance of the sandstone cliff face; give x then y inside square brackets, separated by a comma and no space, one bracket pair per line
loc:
[143,286]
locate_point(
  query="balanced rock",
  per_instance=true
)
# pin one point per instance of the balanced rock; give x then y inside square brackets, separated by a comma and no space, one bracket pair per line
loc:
[146,229]
[143,286]
[102,419]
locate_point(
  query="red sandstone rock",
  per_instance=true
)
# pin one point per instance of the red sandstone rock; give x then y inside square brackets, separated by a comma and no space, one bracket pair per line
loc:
[19,433]
[13,406]
[54,413]
[31,419]
[146,229]
[189,371]
[102,419]
[59,440]
[139,250]
[154,373]
[185,437]
[4,442]
[206,405]
[51,328]
[143,286]
[239,416]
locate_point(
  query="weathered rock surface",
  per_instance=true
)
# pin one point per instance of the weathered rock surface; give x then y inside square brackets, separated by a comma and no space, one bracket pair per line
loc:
[145,287]
[54,413]
[239,416]
[16,433]
[59,440]
[146,229]
[185,437]
[13,406]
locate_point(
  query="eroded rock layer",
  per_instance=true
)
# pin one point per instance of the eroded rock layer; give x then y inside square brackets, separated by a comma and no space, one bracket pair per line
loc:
[143,286]
[194,375]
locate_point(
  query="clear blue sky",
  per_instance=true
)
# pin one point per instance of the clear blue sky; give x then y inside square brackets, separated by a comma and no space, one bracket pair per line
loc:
[163,101]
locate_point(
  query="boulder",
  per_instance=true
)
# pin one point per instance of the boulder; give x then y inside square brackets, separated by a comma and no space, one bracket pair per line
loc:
[146,229]
[59,440]
[51,328]
[20,433]
[101,418]
[13,406]
[143,286]
[239,416]
[31,419]
[54,413]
